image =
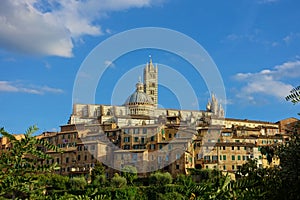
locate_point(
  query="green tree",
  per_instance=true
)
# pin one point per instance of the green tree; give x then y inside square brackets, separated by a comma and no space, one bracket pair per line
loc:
[20,163]
[98,170]
[77,185]
[289,155]
[160,179]
[130,173]
[267,180]
[118,181]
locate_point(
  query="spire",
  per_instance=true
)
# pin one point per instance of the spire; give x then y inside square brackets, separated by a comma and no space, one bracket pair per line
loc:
[150,64]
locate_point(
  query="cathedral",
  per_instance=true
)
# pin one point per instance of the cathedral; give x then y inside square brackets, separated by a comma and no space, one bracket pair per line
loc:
[141,106]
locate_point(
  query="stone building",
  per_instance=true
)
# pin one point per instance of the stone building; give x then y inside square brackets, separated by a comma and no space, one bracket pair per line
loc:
[139,133]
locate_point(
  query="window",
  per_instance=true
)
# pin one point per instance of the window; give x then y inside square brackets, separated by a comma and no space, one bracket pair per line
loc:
[160,146]
[167,157]
[232,167]
[233,157]
[238,148]
[136,139]
[245,148]
[142,140]
[85,157]
[220,157]
[170,146]
[69,136]
[126,139]
[144,131]
[136,131]
[207,158]
[237,140]
[85,148]
[239,157]
[159,159]
[152,146]
[57,160]
[177,166]
[177,156]
[232,148]
[67,159]
[126,131]
[92,147]
[224,157]
[92,157]
[78,157]
[224,147]
[214,158]
[170,135]
[224,167]
[152,138]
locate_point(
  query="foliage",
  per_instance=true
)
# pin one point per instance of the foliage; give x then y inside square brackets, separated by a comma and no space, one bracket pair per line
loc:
[118,181]
[224,188]
[200,175]
[99,181]
[289,155]
[77,184]
[269,151]
[160,179]
[20,162]
[267,180]
[130,173]
[98,170]
[294,95]
[171,195]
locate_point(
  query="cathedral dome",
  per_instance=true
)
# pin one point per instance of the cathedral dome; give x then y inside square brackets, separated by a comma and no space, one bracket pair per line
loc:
[139,97]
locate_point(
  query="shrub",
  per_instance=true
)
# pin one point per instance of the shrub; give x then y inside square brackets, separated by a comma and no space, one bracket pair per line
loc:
[159,178]
[118,181]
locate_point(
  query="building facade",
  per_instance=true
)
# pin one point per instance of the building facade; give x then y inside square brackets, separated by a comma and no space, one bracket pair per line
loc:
[139,133]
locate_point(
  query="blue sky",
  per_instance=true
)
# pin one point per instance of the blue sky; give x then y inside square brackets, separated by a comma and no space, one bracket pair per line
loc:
[255,45]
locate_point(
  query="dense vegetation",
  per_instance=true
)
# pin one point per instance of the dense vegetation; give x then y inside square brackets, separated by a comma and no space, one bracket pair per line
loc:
[22,178]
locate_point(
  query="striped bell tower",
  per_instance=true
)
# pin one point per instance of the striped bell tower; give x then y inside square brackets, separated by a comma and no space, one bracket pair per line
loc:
[151,81]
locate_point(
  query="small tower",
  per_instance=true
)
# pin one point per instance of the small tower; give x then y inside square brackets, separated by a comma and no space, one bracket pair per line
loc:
[151,81]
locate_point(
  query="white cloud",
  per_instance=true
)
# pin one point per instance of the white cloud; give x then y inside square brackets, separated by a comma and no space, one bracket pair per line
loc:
[49,27]
[8,86]
[269,81]
[291,37]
